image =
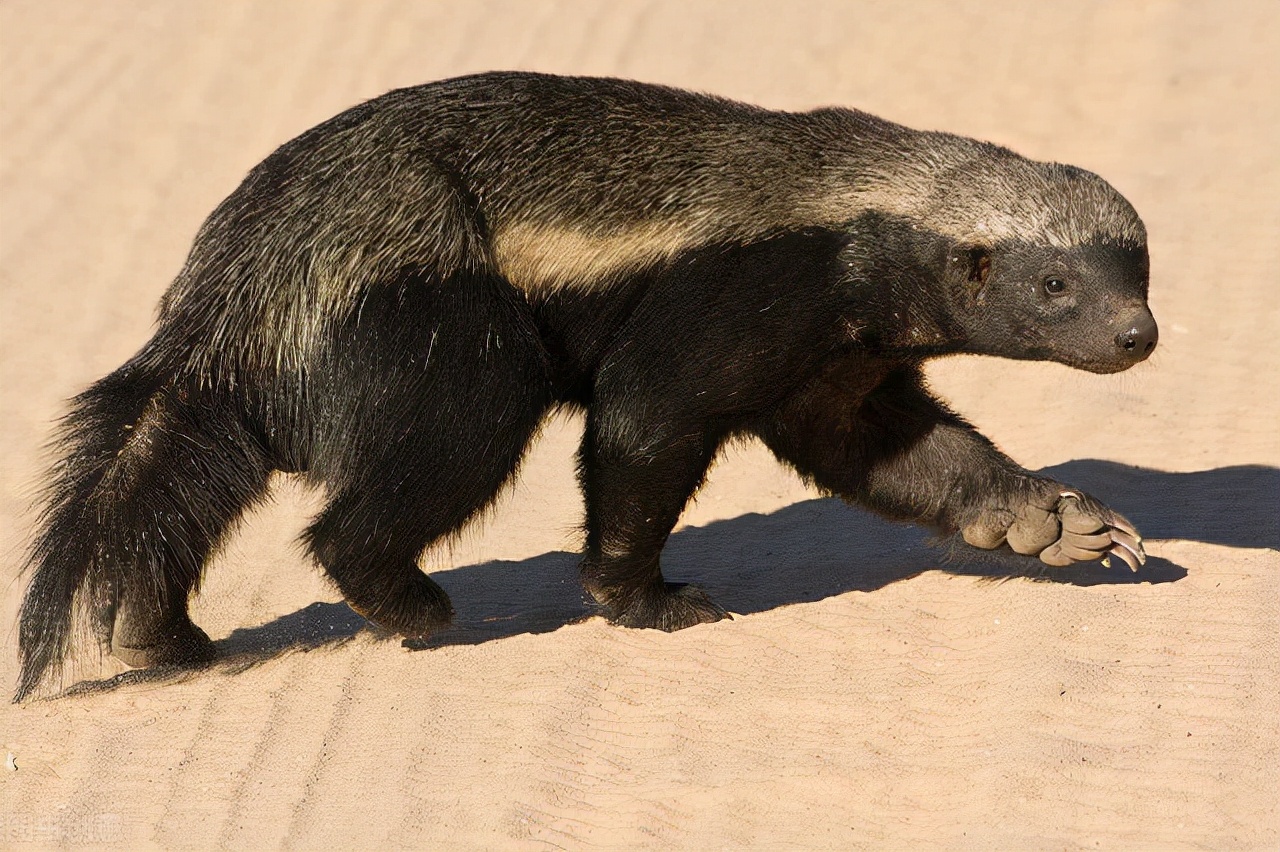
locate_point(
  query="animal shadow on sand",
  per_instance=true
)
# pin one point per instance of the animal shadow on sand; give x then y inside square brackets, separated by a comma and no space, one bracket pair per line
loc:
[804,552]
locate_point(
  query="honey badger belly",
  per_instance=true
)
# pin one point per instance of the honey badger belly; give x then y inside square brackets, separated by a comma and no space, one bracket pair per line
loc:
[391,302]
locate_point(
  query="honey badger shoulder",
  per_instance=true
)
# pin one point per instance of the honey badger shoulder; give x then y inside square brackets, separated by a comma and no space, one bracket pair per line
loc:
[389,304]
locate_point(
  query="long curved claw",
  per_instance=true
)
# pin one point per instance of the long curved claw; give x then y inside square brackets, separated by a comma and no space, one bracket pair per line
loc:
[1091,531]
[1131,544]
[1125,554]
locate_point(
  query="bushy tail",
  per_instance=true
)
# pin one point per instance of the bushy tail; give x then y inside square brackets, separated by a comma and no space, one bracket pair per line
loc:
[147,479]
[65,554]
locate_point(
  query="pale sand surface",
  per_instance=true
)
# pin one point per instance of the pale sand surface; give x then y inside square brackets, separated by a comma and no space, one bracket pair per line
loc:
[871,693]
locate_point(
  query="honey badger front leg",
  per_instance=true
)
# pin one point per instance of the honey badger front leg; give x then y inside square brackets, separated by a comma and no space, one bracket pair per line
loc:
[898,451]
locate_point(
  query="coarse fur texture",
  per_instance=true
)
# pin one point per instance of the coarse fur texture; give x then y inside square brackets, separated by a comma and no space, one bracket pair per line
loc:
[389,305]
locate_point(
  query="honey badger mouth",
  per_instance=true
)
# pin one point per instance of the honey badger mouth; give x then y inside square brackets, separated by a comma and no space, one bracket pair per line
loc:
[1124,343]
[1113,352]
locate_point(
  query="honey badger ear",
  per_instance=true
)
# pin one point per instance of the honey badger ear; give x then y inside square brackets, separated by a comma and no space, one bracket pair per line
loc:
[968,267]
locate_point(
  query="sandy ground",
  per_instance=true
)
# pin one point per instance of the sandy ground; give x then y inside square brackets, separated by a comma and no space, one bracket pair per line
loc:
[873,690]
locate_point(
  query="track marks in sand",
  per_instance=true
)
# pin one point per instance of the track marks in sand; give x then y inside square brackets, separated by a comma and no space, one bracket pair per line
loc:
[340,704]
[250,807]
[225,748]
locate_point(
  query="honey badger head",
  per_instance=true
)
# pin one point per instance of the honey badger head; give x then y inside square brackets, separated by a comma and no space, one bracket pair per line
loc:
[1083,306]
[1043,262]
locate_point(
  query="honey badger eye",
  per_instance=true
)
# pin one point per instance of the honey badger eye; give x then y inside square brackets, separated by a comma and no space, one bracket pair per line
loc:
[1055,286]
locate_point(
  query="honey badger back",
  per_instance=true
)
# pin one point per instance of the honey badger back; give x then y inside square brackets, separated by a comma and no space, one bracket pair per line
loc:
[390,303]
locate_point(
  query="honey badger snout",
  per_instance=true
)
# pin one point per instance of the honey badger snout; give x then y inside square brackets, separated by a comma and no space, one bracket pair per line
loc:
[1138,338]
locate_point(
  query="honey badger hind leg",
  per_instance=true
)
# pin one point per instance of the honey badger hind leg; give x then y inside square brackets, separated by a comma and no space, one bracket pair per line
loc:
[197,468]
[425,403]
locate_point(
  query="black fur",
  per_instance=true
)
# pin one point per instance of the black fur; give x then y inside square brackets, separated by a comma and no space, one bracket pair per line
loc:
[377,309]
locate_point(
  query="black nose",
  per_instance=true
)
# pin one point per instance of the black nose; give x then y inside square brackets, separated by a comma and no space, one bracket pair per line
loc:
[1139,339]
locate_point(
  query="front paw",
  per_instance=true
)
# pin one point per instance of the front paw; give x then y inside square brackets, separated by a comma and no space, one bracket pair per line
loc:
[1061,529]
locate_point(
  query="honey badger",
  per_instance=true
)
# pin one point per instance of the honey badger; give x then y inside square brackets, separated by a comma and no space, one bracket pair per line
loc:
[390,304]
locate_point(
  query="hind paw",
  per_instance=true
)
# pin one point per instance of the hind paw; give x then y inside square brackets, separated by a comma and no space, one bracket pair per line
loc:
[181,644]
[415,610]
